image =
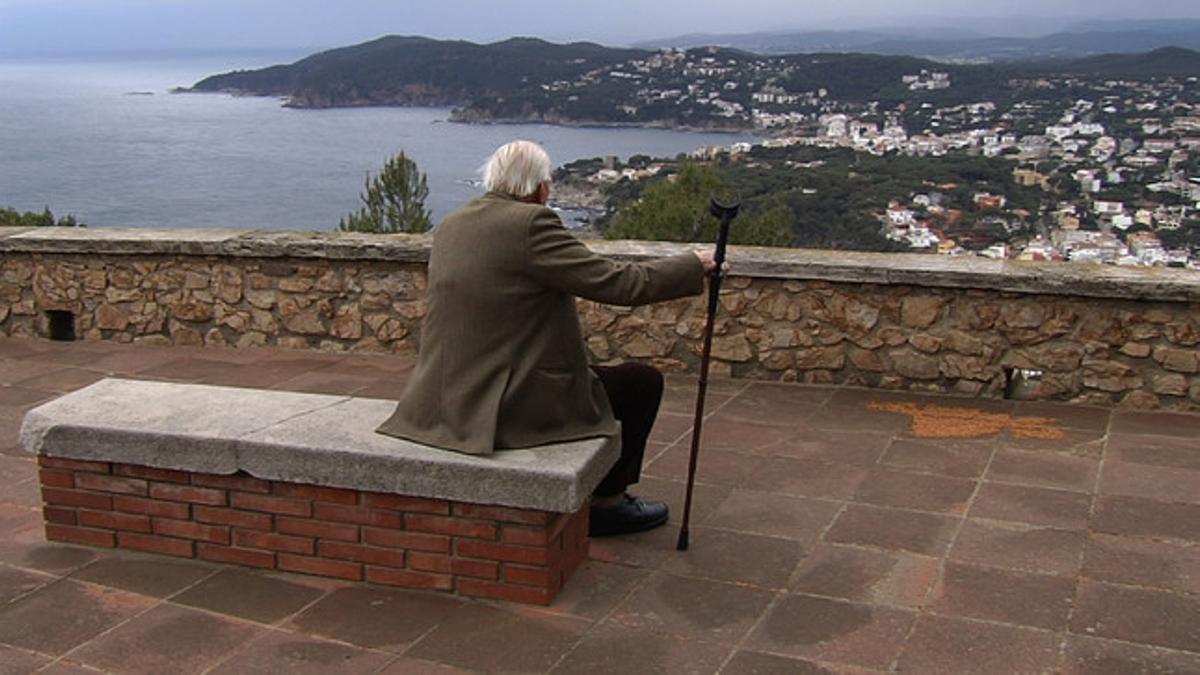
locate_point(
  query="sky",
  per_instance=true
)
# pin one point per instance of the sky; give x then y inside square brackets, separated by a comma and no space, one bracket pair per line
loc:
[31,26]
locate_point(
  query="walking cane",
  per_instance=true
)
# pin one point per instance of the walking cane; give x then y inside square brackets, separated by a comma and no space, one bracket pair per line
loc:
[726,211]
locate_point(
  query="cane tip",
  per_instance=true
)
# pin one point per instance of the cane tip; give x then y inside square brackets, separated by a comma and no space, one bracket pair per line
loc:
[682,544]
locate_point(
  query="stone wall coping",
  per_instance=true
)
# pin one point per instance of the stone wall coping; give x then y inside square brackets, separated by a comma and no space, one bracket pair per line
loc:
[311,439]
[904,269]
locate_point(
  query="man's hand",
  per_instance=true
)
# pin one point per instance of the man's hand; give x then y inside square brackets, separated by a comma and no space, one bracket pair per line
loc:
[708,260]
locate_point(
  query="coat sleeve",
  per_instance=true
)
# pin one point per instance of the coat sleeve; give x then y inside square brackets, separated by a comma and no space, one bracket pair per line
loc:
[556,259]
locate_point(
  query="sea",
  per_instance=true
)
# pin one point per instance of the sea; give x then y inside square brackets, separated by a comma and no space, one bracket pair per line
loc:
[105,140]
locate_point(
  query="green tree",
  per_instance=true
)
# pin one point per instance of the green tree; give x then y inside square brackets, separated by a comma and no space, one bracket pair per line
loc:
[13,218]
[677,210]
[393,201]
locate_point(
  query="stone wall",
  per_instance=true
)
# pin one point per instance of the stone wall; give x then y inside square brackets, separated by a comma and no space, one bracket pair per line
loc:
[1096,334]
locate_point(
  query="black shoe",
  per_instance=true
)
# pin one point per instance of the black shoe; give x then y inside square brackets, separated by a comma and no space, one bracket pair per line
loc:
[631,515]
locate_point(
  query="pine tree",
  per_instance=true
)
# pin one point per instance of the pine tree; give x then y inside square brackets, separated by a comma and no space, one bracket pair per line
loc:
[393,201]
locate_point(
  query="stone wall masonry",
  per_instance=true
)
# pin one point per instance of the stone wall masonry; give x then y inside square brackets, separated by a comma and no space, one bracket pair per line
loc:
[1098,334]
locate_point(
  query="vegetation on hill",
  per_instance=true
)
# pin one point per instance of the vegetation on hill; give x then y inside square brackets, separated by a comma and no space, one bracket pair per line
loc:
[405,70]
[525,79]
[818,198]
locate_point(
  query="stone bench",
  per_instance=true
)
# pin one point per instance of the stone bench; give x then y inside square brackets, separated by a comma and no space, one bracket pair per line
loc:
[301,483]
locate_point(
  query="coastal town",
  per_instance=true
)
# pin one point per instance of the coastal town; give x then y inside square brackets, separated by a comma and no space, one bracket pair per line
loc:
[1114,163]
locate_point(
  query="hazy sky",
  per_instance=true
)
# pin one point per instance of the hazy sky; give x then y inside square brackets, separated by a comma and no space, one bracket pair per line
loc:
[51,25]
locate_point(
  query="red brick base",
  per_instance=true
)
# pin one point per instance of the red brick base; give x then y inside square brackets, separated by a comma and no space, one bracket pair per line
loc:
[457,547]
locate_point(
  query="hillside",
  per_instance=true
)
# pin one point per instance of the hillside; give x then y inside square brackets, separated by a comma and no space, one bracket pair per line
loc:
[716,88]
[406,70]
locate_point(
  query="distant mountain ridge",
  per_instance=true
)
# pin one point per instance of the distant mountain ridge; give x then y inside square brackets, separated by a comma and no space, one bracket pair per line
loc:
[1079,41]
[530,80]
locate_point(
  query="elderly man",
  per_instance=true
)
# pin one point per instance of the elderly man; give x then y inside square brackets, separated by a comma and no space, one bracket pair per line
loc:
[503,363]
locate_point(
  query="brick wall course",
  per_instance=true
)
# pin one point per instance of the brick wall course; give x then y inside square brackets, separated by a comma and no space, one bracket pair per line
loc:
[470,549]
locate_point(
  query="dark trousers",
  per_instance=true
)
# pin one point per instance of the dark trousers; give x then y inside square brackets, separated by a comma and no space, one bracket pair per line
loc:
[634,392]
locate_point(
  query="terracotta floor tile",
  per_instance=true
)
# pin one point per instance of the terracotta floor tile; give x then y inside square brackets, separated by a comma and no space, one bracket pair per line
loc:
[1146,518]
[63,380]
[478,638]
[166,639]
[613,648]
[756,663]
[916,491]
[1140,561]
[726,433]
[19,396]
[132,360]
[943,457]
[860,448]
[681,398]
[596,588]
[718,467]
[13,371]
[1163,483]
[864,575]
[1017,546]
[805,478]
[375,618]
[247,594]
[1155,423]
[27,547]
[409,666]
[774,515]
[1024,598]
[1155,451]
[693,608]
[1067,415]
[1032,505]
[280,652]
[1137,615]
[189,369]
[893,529]
[736,557]
[776,404]
[1093,656]
[833,630]
[26,493]
[14,660]
[38,620]
[1073,443]
[16,582]
[953,646]
[155,576]
[644,549]
[669,428]
[1061,472]
[16,516]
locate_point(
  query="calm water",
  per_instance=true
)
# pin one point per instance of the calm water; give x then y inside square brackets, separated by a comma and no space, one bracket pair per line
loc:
[107,142]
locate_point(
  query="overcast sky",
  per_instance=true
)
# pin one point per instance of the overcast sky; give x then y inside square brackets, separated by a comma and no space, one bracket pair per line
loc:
[50,25]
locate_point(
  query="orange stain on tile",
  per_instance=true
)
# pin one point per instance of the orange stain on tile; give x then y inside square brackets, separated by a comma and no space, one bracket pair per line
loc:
[935,421]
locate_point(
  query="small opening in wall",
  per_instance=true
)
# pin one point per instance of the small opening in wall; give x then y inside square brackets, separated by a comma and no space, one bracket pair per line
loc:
[62,324]
[1022,384]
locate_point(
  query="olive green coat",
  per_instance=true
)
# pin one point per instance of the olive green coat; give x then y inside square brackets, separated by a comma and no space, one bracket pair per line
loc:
[502,362]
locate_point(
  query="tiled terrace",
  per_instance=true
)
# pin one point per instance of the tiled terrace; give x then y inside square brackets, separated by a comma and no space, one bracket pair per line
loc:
[829,535]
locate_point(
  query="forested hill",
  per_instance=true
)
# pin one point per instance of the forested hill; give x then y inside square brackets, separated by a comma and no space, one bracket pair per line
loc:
[530,80]
[405,70]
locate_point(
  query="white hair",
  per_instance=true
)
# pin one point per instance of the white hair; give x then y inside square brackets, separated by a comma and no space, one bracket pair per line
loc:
[516,169]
